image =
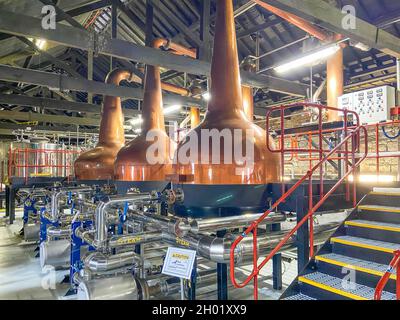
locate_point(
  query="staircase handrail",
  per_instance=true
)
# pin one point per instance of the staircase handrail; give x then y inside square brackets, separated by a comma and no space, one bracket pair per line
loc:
[354,136]
[393,265]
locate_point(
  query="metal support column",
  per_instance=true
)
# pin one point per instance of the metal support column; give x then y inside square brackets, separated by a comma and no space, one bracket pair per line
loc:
[204,53]
[149,23]
[303,237]
[10,203]
[277,263]
[114,28]
[193,281]
[222,275]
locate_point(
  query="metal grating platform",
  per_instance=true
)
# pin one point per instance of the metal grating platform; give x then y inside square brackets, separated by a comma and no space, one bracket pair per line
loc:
[367,242]
[299,296]
[349,261]
[356,289]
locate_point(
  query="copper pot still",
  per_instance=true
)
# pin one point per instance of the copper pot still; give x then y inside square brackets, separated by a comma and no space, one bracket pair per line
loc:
[137,161]
[225,111]
[98,163]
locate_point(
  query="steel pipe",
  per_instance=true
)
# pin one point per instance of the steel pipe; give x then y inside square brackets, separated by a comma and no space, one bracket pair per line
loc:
[115,288]
[101,214]
[55,254]
[98,262]
[31,231]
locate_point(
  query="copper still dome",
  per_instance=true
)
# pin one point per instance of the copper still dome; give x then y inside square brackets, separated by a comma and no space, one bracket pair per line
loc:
[98,163]
[225,111]
[134,162]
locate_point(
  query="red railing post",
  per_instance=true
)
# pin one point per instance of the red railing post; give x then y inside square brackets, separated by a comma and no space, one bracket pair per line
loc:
[393,265]
[398,282]
[282,148]
[255,263]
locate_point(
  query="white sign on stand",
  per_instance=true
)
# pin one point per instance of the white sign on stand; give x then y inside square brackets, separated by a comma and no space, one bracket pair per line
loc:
[179,262]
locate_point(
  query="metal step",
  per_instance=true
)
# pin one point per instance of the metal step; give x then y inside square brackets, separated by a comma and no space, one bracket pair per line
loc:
[382,246]
[371,207]
[377,225]
[365,266]
[299,296]
[386,191]
[335,285]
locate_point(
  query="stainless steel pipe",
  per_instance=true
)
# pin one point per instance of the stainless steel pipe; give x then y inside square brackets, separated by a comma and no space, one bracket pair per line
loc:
[31,231]
[55,254]
[101,214]
[98,262]
[115,288]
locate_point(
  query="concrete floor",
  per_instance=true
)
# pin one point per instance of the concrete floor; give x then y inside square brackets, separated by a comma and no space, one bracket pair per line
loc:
[21,276]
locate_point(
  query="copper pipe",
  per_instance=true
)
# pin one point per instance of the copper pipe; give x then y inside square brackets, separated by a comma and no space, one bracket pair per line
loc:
[98,163]
[176,48]
[297,21]
[133,162]
[167,87]
[225,111]
[335,82]
[194,117]
[175,89]
[247,92]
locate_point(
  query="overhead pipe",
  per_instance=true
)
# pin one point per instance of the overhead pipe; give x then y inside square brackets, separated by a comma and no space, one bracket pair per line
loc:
[297,21]
[335,68]
[98,163]
[335,82]
[177,49]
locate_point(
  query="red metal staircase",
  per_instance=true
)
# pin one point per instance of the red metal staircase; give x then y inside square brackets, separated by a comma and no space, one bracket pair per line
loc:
[348,150]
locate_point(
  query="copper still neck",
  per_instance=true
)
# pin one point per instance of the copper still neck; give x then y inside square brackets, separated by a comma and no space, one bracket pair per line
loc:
[152,108]
[226,94]
[225,115]
[112,120]
[98,163]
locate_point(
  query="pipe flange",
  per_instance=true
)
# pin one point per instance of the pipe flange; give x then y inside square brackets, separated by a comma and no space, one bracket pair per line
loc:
[179,195]
[170,196]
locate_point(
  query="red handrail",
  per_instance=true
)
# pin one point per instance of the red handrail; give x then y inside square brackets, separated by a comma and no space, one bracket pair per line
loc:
[352,136]
[394,265]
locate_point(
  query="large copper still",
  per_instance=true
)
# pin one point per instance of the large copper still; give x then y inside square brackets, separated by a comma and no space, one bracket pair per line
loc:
[98,163]
[137,161]
[225,111]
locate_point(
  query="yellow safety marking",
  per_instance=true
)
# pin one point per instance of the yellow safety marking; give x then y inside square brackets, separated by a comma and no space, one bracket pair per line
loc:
[351,266]
[391,194]
[371,226]
[362,245]
[330,289]
[382,209]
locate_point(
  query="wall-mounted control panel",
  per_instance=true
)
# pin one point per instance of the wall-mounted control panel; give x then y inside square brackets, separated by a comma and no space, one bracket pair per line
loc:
[372,105]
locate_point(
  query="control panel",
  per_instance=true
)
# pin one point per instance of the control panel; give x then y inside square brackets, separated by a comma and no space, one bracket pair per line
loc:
[372,105]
